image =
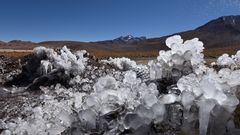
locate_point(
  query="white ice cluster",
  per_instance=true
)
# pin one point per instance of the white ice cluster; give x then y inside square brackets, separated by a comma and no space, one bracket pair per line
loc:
[52,117]
[208,91]
[121,63]
[232,62]
[72,63]
[179,60]
[112,96]
[202,87]
[182,93]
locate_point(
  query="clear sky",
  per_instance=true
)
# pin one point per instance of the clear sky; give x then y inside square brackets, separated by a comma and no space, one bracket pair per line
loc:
[93,20]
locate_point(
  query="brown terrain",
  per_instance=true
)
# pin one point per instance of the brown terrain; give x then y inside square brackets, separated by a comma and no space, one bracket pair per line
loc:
[220,36]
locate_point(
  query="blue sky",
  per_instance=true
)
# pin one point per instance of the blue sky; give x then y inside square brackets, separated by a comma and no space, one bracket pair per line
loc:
[93,20]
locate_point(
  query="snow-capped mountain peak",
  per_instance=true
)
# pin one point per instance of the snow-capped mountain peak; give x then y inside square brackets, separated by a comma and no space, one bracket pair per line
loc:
[129,38]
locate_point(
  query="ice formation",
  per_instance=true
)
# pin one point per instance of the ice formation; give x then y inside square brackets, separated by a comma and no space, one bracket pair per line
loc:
[175,93]
[121,63]
[227,61]
[72,63]
[178,61]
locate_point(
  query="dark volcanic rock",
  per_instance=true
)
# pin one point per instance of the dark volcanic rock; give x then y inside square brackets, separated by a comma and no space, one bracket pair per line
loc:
[57,76]
[30,71]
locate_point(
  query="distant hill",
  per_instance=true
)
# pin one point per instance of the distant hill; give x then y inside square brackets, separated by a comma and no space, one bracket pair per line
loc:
[219,36]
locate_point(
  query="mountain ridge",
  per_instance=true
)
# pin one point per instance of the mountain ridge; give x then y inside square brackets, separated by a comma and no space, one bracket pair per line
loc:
[221,34]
